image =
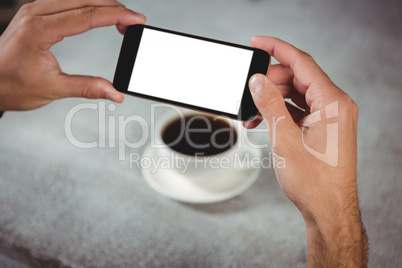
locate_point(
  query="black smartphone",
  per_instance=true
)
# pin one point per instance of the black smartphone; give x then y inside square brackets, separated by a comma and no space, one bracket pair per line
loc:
[189,71]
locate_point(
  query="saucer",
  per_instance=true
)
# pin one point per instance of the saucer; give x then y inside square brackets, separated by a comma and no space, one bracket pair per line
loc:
[177,186]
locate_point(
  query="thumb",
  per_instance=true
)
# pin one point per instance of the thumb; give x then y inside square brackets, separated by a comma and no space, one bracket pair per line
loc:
[87,87]
[271,105]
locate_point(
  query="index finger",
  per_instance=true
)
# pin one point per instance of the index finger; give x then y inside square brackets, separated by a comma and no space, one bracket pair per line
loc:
[308,78]
[305,69]
[77,21]
[43,7]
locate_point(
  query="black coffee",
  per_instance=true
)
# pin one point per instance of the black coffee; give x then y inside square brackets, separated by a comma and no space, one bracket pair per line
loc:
[199,135]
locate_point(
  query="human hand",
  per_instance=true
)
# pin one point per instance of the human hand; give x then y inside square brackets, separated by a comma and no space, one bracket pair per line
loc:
[318,147]
[30,75]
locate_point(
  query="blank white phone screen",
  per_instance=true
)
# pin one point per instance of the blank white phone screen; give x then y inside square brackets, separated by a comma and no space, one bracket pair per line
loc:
[190,71]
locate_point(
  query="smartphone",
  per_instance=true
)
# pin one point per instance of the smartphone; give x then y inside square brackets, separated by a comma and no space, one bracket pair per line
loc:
[189,71]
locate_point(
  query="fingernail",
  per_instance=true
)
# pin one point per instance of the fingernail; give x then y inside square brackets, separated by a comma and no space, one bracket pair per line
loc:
[111,97]
[256,82]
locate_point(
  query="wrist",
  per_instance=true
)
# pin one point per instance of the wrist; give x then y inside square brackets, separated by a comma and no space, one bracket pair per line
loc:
[341,243]
[335,232]
[333,204]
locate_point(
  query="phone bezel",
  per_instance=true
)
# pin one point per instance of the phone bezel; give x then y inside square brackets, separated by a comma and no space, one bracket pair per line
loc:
[128,53]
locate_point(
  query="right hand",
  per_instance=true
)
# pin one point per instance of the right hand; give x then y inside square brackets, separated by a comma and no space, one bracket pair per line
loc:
[318,145]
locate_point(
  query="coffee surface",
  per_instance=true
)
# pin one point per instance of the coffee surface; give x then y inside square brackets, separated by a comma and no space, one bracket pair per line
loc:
[199,135]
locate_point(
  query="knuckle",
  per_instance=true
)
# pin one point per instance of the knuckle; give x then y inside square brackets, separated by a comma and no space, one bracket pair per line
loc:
[123,9]
[85,11]
[91,90]
[26,9]
[29,23]
[88,92]
[305,55]
[344,99]
[355,108]
[270,100]
[347,99]
[349,103]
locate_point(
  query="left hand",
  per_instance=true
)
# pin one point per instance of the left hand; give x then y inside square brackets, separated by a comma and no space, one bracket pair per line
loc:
[30,75]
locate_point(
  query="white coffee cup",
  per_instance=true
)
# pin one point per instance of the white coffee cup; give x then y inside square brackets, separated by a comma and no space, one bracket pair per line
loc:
[219,172]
